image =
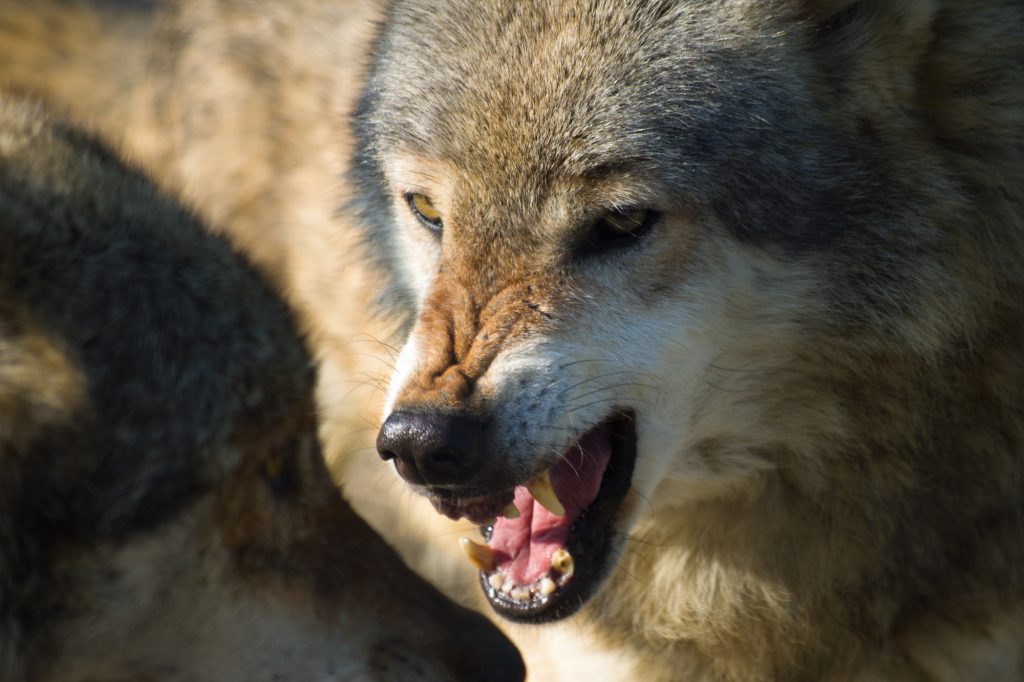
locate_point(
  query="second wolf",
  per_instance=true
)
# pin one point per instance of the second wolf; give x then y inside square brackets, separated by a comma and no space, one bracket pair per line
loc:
[165,511]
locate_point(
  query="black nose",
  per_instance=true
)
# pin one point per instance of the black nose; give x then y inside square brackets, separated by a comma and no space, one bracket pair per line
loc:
[431,448]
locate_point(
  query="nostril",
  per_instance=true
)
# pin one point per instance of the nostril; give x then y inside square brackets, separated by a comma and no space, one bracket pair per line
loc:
[430,447]
[408,470]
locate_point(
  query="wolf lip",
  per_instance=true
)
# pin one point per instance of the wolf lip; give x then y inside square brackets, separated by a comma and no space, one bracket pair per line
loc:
[546,565]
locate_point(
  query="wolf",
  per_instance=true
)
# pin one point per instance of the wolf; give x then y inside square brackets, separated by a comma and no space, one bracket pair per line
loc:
[720,299]
[715,321]
[166,511]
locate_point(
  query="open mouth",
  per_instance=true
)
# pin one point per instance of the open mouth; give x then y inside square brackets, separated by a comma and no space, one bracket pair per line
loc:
[550,549]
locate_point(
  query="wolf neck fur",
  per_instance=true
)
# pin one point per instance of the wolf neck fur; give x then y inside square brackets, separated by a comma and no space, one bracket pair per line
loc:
[787,558]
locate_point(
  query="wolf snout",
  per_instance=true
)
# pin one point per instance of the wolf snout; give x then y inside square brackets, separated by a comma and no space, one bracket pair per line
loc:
[430,448]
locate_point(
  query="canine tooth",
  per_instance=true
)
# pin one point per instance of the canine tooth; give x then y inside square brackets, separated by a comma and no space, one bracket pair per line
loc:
[561,561]
[547,586]
[480,556]
[496,580]
[508,585]
[520,593]
[511,511]
[544,493]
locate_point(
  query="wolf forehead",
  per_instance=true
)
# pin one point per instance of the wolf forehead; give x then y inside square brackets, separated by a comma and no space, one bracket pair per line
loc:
[719,118]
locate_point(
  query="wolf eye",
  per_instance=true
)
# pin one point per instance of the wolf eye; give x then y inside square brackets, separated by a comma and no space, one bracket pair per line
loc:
[617,229]
[425,211]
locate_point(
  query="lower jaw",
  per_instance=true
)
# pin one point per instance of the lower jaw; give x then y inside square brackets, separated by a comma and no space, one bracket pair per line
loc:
[590,545]
[550,598]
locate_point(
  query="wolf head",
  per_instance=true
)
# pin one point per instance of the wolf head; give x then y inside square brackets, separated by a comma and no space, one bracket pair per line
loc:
[666,261]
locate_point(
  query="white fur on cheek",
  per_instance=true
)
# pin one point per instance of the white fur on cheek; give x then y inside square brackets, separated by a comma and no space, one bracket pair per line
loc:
[661,361]
[548,391]
[668,351]
[747,330]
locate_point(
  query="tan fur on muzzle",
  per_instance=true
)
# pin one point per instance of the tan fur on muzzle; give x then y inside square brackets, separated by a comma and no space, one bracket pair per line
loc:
[460,337]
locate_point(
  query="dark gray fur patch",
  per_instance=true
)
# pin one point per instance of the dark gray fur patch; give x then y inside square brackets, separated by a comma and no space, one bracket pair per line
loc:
[172,328]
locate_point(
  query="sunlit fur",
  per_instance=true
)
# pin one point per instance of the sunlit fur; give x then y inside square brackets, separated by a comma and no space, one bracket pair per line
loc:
[821,340]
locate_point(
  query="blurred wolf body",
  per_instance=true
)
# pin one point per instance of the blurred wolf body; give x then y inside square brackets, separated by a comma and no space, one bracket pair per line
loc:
[167,512]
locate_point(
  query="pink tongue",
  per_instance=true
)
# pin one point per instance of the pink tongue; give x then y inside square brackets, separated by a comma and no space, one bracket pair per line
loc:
[523,547]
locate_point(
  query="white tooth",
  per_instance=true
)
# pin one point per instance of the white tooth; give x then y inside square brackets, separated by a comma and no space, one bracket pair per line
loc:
[511,511]
[480,556]
[508,585]
[496,580]
[544,493]
[561,561]
[521,593]
[547,586]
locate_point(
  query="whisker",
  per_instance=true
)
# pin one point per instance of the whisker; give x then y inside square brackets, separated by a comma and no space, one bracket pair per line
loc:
[576,408]
[622,385]
[599,377]
[580,362]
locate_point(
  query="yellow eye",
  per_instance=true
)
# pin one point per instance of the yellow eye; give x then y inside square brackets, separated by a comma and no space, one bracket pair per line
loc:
[628,222]
[424,209]
[617,229]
